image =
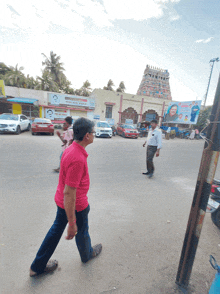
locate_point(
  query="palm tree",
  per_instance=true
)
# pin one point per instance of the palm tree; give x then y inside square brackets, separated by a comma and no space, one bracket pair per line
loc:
[30,82]
[15,77]
[86,89]
[54,66]
[109,86]
[46,82]
[121,87]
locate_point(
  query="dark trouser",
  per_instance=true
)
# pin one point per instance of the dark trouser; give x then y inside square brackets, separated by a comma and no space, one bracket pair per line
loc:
[151,150]
[53,236]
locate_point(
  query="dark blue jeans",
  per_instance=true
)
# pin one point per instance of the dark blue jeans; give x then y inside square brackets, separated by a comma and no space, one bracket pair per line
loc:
[53,236]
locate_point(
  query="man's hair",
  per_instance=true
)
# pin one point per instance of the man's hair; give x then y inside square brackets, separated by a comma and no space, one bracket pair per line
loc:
[69,120]
[81,127]
[154,121]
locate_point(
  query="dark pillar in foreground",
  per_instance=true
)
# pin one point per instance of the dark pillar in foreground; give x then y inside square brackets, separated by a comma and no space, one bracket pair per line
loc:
[203,186]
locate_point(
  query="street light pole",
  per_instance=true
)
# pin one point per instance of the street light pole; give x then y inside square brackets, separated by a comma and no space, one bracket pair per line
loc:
[211,61]
[206,174]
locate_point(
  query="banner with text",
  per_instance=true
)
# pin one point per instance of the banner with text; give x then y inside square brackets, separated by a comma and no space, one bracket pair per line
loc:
[186,112]
[79,101]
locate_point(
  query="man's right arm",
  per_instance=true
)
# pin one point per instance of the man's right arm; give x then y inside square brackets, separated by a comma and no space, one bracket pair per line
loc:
[69,206]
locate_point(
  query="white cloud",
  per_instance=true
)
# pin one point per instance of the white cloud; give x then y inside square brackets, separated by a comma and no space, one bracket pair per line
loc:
[174,17]
[204,40]
[38,16]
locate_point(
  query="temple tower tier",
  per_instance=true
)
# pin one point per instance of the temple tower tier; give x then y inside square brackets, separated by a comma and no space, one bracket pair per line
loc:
[155,83]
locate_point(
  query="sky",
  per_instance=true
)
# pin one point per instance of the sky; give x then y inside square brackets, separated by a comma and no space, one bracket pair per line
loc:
[100,40]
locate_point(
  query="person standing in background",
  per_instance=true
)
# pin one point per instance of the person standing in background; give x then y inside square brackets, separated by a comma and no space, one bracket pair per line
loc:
[154,144]
[168,133]
[66,138]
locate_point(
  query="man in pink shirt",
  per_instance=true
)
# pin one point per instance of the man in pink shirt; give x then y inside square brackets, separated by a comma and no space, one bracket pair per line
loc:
[72,202]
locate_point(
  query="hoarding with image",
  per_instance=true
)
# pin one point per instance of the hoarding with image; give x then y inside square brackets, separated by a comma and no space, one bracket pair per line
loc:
[55,114]
[186,112]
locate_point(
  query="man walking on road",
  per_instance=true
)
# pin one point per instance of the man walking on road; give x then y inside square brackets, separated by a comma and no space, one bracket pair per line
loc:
[154,144]
[72,202]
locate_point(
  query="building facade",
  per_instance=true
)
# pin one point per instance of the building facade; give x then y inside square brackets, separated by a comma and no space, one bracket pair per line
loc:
[36,103]
[117,107]
[155,83]
[102,105]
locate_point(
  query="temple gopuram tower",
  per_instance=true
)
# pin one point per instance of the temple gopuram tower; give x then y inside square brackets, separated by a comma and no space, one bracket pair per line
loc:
[155,83]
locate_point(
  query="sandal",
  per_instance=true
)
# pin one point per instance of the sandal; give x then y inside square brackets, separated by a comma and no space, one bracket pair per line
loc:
[96,250]
[50,267]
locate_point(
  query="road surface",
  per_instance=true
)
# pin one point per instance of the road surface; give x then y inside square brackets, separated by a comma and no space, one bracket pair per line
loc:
[140,222]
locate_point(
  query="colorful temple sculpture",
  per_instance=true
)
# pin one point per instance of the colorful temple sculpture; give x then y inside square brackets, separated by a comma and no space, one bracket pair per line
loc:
[155,83]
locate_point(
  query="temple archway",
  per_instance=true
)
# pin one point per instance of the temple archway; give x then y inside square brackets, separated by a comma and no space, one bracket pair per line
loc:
[149,115]
[129,113]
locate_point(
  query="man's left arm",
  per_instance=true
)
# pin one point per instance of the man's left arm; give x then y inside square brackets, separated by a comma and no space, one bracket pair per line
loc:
[159,143]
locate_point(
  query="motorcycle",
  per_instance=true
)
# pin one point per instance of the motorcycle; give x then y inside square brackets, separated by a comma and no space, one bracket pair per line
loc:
[213,206]
[114,132]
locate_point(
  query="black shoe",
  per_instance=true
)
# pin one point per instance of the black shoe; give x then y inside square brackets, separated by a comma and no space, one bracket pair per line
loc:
[147,173]
[150,176]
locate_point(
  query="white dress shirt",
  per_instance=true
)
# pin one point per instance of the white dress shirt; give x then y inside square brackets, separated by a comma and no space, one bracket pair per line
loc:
[155,138]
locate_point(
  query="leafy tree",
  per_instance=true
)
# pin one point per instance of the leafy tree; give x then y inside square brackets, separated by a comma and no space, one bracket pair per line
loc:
[121,88]
[30,83]
[203,116]
[46,82]
[15,77]
[54,67]
[109,86]
[86,89]
[4,69]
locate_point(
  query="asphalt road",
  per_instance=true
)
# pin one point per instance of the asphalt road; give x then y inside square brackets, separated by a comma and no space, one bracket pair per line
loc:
[140,222]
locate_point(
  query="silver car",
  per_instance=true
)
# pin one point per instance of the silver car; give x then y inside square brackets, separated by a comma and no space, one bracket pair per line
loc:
[14,123]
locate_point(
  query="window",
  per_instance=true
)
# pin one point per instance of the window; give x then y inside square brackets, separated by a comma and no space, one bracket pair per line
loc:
[108,112]
[23,117]
[150,116]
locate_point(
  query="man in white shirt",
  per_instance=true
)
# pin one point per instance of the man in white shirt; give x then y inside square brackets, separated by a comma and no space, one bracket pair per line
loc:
[154,144]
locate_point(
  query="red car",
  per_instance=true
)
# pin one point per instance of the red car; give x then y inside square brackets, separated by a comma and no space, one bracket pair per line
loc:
[42,125]
[127,131]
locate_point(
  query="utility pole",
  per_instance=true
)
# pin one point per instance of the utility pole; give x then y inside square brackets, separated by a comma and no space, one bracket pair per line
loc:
[211,61]
[206,174]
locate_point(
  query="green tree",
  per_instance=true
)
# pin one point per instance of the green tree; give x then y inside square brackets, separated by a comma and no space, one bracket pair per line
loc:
[54,67]
[4,69]
[46,82]
[121,88]
[202,119]
[15,77]
[86,89]
[30,82]
[110,84]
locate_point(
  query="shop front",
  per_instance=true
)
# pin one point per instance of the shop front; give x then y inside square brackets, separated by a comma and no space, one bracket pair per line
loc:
[17,105]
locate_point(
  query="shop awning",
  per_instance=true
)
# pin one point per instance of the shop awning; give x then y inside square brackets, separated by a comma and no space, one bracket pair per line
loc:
[23,100]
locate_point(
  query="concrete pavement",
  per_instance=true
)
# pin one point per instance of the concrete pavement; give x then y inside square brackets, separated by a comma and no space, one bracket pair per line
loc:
[140,222]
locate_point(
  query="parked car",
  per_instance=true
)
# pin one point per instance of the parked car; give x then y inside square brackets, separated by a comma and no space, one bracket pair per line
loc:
[103,129]
[42,125]
[127,131]
[14,123]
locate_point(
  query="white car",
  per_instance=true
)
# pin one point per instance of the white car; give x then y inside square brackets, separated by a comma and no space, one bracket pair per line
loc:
[103,129]
[14,123]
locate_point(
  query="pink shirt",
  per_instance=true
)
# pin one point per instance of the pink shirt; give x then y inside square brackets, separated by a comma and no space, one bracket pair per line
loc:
[74,173]
[67,135]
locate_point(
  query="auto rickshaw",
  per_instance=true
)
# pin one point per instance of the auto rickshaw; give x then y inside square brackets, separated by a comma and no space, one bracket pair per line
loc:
[143,128]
